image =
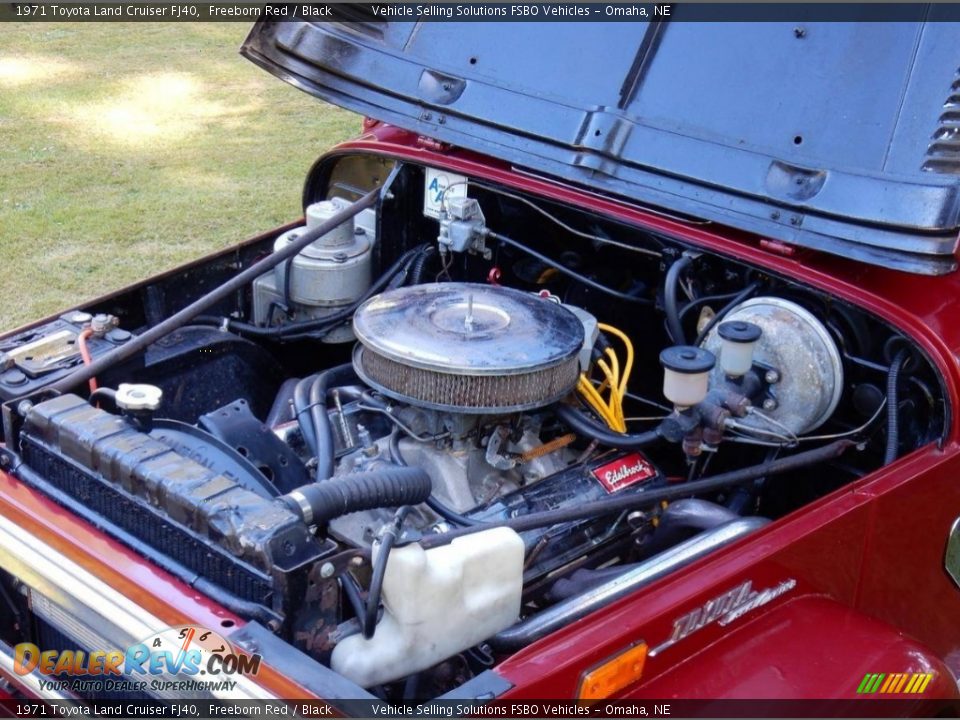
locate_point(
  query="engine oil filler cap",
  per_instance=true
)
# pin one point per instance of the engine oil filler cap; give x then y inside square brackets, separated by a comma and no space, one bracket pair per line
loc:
[467,348]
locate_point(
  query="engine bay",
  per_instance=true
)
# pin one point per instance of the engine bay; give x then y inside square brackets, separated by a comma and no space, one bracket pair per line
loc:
[432,434]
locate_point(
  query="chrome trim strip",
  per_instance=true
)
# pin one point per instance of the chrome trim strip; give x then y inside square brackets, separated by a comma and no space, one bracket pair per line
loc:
[567,611]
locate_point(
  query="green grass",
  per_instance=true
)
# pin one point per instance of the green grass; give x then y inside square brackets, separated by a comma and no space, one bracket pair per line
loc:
[130,148]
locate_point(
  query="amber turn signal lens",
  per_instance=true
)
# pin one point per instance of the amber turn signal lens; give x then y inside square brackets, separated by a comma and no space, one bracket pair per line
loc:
[614,674]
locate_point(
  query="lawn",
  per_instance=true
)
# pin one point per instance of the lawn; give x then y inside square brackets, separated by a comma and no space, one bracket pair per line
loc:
[130,148]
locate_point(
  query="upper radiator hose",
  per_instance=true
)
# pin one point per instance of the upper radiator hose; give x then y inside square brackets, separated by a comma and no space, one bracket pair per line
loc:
[388,486]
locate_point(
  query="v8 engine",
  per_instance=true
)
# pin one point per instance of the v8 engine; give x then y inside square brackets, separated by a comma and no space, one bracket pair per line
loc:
[410,446]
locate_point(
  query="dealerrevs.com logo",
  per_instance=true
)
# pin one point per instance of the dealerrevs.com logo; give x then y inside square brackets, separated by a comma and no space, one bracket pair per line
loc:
[180,659]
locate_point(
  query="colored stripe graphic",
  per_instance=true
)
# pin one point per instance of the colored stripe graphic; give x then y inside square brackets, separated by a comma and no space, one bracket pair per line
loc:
[894,683]
[870,683]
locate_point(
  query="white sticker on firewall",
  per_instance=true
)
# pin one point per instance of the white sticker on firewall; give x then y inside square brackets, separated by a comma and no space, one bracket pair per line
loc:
[439,185]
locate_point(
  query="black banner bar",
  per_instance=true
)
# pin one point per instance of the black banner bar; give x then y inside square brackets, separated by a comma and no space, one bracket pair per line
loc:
[476,12]
[670,708]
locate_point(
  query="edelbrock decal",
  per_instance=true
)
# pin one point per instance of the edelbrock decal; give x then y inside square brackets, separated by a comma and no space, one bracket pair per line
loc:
[624,472]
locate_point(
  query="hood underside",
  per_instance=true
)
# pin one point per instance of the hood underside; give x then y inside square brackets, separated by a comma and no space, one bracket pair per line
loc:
[839,136]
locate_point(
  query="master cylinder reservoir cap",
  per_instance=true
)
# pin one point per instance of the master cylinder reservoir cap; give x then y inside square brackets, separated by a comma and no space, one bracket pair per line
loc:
[736,350]
[686,371]
[138,397]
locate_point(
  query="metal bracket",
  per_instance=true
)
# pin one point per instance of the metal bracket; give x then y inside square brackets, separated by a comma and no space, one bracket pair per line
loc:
[463,227]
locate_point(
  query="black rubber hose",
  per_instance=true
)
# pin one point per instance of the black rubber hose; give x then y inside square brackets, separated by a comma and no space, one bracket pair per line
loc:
[386,486]
[322,433]
[583,425]
[293,332]
[103,393]
[301,408]
[687,514]
[694,513]
[613,505]
[893,401]
[447,513]
[705,300]
[599,287]
[745,495]
[287,281]
[312,327]
[418,270]
[743,295]
[387,541]
[352,592]
[239,281]
[351,393]
[583,579]
[670,306]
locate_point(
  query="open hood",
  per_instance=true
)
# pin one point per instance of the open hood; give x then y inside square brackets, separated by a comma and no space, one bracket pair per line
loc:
[838,136]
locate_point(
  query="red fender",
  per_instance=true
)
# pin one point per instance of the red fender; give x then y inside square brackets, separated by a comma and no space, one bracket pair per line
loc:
[808,647]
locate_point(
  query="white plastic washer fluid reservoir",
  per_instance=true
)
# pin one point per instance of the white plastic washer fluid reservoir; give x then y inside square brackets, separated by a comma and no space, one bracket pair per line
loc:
[438,602]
